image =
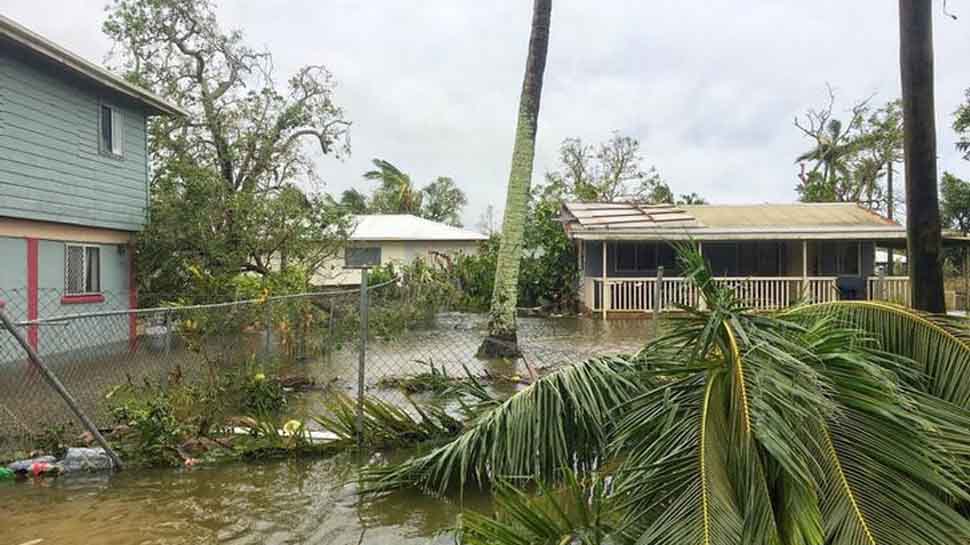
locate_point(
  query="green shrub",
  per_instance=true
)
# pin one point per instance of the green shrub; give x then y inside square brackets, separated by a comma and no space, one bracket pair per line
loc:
[154,432]
[261,395]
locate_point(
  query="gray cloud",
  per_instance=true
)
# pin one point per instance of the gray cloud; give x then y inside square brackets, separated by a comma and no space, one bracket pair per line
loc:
[710,87]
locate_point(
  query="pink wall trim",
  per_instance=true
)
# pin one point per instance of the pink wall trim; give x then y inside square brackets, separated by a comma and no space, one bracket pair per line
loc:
[32,332]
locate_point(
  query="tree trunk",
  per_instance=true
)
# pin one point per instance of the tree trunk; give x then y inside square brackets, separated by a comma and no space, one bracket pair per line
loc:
[501,340]
[923,229]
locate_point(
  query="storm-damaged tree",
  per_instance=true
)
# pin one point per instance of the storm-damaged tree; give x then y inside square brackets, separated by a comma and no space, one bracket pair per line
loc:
[225,187]
[502,339]
[443,201]
[605,172]
[923,226]
[849,160]
[396,193]
[351,200]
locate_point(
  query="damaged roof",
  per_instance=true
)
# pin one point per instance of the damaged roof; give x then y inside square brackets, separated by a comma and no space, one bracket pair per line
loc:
[635,220]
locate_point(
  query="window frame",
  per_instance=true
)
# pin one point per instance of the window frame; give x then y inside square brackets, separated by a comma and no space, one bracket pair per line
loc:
[652,262]
[117,128]
[351,249]
[851,250]
[85,269]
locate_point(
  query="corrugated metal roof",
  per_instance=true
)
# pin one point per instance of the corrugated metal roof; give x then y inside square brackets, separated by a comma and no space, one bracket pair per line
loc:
[636,221]
[407,227]
[631,215]
[787,215]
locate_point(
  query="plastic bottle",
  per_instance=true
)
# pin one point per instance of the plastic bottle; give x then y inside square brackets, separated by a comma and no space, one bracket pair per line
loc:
[6,474]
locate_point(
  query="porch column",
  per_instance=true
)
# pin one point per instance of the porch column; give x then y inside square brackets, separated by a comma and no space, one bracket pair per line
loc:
[701,302]
[804,268]
[605,297]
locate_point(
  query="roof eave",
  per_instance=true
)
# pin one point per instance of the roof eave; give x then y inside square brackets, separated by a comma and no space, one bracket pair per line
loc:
[406,239]
[40,45]
[866,233]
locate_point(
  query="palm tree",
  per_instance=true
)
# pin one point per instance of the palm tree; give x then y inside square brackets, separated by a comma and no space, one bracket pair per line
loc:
[839,423]
[396,194]
[924,237]
[502,339]
[834,147]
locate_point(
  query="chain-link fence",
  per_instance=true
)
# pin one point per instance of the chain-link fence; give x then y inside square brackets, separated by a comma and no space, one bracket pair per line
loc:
[413,348]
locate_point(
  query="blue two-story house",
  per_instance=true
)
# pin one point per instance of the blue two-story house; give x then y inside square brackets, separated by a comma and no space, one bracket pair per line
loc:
[73,179]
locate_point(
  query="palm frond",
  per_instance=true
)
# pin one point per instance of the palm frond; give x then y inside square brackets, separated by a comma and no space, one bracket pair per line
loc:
[561,421]
[578,512]
[384,423]
[938,346]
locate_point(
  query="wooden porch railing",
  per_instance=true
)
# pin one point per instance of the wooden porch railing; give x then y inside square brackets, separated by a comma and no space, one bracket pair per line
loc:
[894,289]
[759,293]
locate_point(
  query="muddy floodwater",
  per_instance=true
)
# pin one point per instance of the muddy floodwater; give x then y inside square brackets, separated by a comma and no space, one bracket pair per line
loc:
[289,501]
[269,503]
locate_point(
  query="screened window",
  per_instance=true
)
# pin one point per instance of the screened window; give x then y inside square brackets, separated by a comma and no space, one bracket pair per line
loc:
[722,258]
[362,257]
[82,269]
[112,131]
[633,257]
[839,258]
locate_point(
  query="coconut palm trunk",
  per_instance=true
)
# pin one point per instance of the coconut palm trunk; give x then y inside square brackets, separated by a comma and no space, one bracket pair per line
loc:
[923,228]
[502,340]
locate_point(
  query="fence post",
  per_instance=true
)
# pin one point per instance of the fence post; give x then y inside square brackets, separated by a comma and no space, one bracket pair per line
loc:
[268,349]
[56,384]
[167,347]
[328,345]
[364,307]
[881,286]
[304,325]
[658,300]
[966,280]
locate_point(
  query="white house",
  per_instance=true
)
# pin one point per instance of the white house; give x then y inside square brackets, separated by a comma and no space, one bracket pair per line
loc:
[396,238]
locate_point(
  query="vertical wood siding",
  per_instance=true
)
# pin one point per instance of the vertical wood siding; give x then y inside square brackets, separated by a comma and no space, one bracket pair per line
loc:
[51,168]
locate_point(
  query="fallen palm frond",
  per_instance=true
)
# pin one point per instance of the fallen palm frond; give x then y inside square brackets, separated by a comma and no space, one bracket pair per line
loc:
[435,380]
[938,345]
[385,424]
[562,420]
[844,424]
[578,512]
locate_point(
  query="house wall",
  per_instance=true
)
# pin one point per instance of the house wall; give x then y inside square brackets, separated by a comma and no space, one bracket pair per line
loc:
[333,272]
[32,275]
[51,167]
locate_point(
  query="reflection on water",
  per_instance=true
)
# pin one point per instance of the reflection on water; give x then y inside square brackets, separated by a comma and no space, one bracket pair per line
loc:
[271,503]
[290,501]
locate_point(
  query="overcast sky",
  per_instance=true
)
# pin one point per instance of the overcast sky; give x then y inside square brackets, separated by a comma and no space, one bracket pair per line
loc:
[709,87]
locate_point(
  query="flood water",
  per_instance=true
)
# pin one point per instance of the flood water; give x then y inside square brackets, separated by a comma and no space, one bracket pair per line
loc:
[273,503]
[288,501]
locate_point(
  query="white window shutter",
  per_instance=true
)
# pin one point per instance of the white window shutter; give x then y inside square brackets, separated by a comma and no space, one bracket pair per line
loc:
[117,132]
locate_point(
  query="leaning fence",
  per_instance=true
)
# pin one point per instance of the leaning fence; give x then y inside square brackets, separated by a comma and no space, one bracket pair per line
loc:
[95,346]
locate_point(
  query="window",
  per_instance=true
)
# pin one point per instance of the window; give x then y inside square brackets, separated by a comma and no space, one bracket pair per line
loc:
[634,257]
[362,257]
[722,258]
[112,131]
[82,269]
[839,258]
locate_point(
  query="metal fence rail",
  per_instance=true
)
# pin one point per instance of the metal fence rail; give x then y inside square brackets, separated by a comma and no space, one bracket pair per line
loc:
[94,348]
